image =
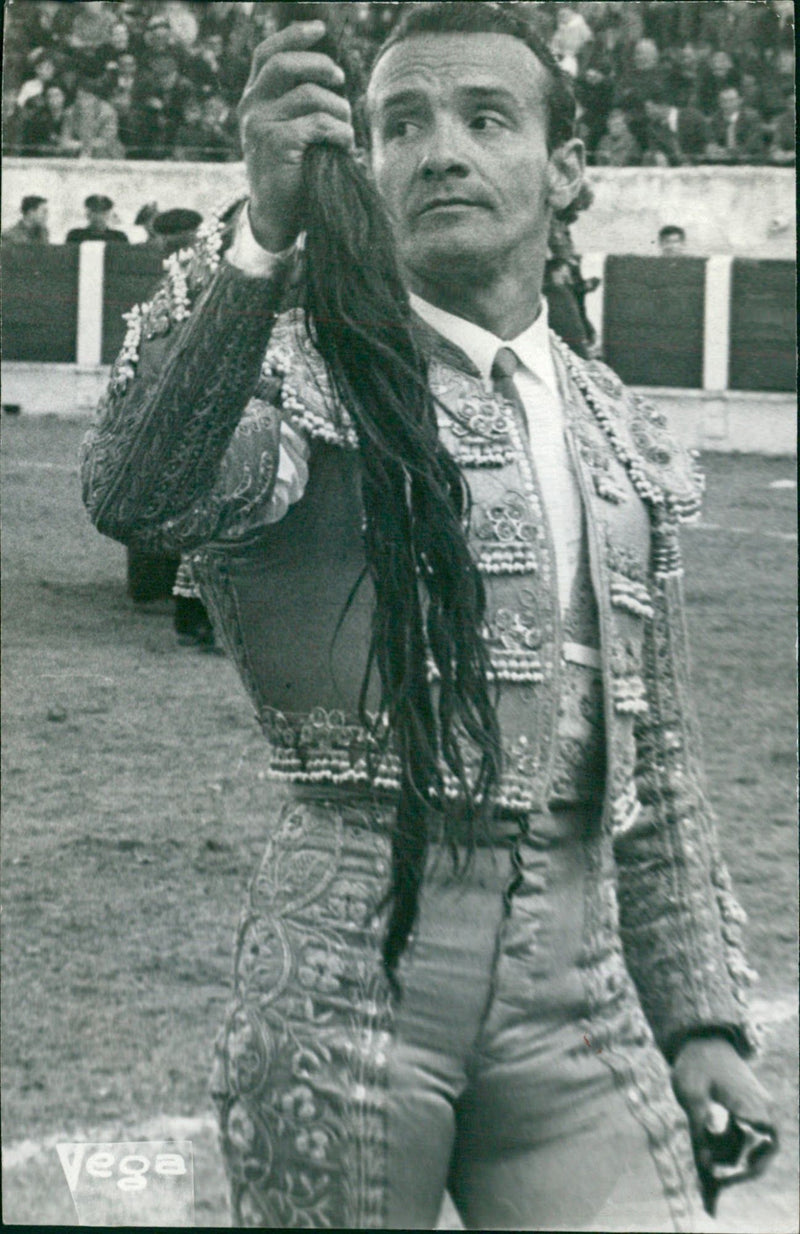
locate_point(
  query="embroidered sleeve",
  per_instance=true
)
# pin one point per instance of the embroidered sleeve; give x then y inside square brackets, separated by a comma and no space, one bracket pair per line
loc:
[187,441]
[681,924]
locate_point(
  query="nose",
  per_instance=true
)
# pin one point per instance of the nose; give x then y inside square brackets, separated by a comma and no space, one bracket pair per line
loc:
[443,155]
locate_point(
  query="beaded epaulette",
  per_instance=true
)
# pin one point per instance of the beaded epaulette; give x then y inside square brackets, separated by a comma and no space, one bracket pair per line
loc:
[664,474]
[187,272]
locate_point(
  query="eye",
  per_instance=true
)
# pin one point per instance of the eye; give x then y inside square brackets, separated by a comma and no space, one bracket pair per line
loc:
[401,128]
[486,122]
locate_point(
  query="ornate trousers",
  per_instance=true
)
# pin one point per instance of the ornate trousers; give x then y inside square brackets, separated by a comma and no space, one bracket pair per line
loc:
[517,1069]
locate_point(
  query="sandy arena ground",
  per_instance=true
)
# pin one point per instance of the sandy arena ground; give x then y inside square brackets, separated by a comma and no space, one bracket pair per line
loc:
[134,806]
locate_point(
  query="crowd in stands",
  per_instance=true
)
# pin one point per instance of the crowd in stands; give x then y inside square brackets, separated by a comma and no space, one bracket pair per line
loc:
[659,83]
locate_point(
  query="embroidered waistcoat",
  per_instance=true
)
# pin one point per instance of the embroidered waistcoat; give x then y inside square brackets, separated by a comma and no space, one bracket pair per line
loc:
[299,576]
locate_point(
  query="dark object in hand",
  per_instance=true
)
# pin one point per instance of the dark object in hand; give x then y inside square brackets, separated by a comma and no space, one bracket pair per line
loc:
[738,1152]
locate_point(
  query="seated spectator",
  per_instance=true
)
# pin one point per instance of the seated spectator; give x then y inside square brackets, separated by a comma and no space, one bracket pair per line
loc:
[736,133]
[571,36]
[572,33]
[609,44]
[622,55]
[104,60]
[183,23]
[68,76]
[98,213]
[671,241]
[216,68]
[157,37]
[219,141]
[44,25]
[203,70]
[190,133]
[618,147]
[122,88]
[124,70]
[159,98]
[594,91]
[682,77]
[120,39]
[44,70]
[159,40]
[91,128]
[41,123]
[717,73]
[92,22]
[672,136]
[32,225]
[645,78]
[777,84]
[750,90]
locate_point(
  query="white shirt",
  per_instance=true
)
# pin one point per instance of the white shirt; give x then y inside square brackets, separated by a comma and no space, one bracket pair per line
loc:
[536,383]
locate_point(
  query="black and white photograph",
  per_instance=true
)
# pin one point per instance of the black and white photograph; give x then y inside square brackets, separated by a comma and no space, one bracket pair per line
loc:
[399,615]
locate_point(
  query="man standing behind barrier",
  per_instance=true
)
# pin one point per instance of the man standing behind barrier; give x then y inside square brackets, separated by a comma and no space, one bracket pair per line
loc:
[32,226]
[501,1050]
[671,240]
[98,213]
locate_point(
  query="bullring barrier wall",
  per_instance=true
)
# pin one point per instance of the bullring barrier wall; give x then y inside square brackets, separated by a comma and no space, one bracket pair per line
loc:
[744,211]
[711,337]
[718,323]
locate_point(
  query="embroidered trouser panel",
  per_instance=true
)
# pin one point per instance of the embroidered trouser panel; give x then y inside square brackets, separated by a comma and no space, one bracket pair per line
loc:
[517,1069]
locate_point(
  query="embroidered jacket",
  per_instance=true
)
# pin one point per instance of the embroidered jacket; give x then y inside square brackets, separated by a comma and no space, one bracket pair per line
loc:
[184,456]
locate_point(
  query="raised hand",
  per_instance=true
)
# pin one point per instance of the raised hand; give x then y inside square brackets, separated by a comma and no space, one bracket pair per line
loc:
[290,102]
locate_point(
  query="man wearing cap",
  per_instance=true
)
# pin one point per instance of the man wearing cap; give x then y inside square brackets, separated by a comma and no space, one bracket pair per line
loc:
[176,228]
[31,228]
[590,952]
[98,210]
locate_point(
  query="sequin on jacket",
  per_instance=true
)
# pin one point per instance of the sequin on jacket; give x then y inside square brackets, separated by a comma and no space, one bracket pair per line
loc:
[184,456]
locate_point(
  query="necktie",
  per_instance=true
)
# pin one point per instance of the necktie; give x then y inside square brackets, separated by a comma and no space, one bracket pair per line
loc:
[541,419]
[503,369]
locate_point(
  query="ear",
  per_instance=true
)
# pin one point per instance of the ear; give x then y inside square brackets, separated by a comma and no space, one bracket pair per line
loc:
[565,172]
